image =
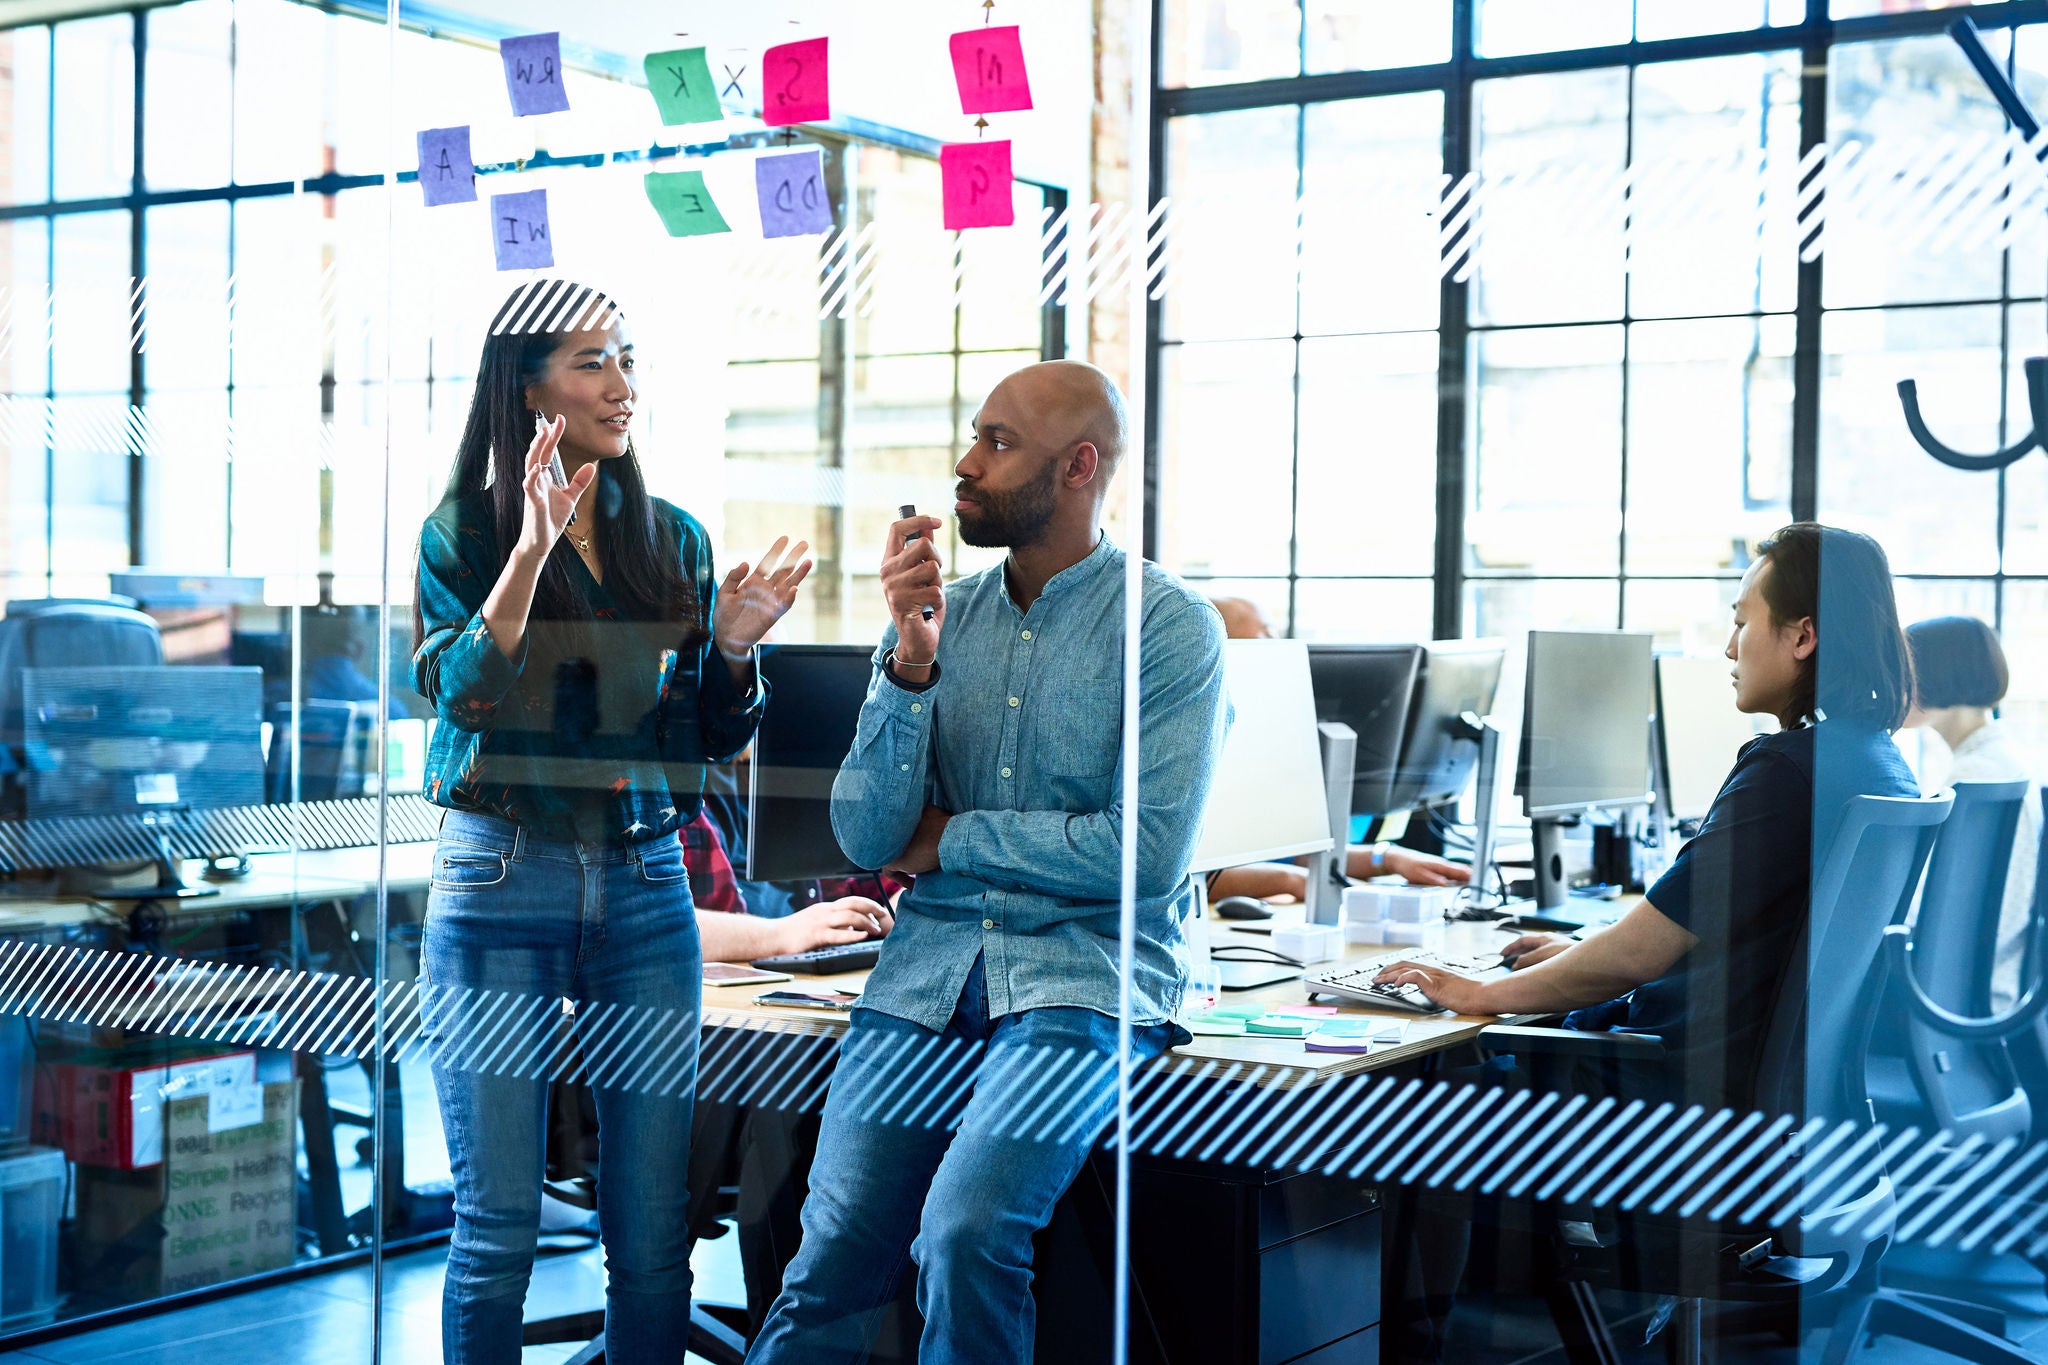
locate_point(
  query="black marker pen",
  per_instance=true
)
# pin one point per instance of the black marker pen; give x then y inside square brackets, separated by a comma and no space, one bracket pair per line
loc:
[907,511]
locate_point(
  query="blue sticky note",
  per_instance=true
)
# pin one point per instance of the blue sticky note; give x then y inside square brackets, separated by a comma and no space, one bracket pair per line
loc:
[792,191]
[533,73]
[447,175]
[519,230]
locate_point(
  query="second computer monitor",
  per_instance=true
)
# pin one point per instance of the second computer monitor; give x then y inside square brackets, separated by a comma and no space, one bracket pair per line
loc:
[110,741]
[1585,722]
[1459,681]
[1699,732]
[1369,688]
[815,695]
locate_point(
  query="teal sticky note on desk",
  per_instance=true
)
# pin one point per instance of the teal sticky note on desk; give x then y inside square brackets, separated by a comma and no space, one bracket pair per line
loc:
[683,89]
[685,205]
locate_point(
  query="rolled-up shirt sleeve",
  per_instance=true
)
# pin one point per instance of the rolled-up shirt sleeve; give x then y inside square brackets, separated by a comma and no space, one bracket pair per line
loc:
[458,666]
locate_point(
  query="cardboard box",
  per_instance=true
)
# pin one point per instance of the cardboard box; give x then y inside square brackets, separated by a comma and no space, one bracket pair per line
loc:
[106,1107]
[220,1205]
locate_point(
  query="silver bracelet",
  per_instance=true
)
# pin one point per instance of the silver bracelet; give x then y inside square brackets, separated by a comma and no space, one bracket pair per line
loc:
[899,660]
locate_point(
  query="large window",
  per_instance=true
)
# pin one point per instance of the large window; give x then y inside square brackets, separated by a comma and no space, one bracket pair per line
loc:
[1492,314]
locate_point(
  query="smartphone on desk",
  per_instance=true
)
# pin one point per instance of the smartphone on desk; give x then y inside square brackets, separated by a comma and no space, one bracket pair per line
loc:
[739,974]
[809,1000]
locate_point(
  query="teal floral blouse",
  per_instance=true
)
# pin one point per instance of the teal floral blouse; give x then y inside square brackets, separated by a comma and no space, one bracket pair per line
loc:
[599,730]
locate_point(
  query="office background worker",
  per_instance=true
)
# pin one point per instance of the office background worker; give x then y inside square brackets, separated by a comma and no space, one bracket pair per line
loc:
[989,763]
[579,688]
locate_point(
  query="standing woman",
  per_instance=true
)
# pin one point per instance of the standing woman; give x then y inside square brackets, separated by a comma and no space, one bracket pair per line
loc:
[584,670]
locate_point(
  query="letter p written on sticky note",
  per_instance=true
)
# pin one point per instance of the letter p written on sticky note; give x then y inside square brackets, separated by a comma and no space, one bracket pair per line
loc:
[976,181]
[988,66]
[794,84]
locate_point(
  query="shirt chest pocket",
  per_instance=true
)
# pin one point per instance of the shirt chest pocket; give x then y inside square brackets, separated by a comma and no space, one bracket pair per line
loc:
[1080,728]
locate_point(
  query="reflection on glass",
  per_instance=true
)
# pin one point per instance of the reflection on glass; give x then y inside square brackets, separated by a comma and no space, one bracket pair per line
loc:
[1209,42]
[1709,441]
[1359,35]
[1551,158]
[1873,476]
[1546,450]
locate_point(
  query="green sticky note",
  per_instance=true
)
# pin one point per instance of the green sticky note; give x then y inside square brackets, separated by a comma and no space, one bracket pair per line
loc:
[682,86]
[1281,1026]
[685,206]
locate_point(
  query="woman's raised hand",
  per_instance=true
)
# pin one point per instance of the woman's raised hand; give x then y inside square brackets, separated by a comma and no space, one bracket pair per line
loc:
[548,508]
[753,598]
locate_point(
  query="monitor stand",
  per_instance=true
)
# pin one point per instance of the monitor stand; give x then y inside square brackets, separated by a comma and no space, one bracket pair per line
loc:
[1326,880]
[170,878]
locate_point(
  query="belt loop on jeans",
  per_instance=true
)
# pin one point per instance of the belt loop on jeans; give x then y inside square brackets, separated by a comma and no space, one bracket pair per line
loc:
[518,841]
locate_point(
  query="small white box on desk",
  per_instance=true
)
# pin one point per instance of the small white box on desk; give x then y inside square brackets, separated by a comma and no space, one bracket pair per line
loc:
[1408,904]
[1308,944]
[1361,905]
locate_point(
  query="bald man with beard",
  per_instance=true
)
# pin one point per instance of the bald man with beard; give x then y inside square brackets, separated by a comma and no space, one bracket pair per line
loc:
[989,763]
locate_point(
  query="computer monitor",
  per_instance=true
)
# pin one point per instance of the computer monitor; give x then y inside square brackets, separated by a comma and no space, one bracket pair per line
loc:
[1267,800]
[1698,733]
[152,740]
[1371,689]
[1459,681]
[816,693]
[1585,737]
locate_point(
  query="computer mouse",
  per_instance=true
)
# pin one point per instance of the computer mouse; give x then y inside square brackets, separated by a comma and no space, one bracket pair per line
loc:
[1242,907]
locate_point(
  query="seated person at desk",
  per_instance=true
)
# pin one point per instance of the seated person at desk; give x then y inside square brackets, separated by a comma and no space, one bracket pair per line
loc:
[1244,619]
[1959,676]
[987,763]
[1698,962]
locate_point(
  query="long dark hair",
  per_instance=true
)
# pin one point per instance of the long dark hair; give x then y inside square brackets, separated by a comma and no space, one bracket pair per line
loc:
[643,566]
[1862,667]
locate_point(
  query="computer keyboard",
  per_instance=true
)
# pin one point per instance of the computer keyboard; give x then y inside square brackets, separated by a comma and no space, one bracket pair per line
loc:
[1354,980]
[844,957]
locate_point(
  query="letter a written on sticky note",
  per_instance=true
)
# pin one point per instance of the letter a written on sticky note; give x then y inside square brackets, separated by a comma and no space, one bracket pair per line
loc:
[684,204]
[519,230]
[683,89]
[976,179]
[988,66]
[794,88]
[792,190]
[533,73]
[447,175]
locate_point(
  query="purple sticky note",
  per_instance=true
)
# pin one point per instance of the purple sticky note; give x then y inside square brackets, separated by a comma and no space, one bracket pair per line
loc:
[792,191]
[533,73]
[988,66]
[794,88]
[447,175]
[519,230]
[976,180]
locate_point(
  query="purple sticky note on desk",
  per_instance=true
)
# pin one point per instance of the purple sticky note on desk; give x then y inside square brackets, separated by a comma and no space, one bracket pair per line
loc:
[975,181]
[447,175]
[988,66]
[794,84]
[792,190]
[533,73]
[519,230]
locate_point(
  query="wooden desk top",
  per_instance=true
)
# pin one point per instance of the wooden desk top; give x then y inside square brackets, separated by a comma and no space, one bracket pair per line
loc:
[1288,1062]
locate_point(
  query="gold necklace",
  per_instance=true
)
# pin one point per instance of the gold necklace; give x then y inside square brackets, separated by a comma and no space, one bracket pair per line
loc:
[581,542]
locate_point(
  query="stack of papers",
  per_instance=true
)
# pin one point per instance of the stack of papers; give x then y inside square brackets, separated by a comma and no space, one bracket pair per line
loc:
[1356,1035]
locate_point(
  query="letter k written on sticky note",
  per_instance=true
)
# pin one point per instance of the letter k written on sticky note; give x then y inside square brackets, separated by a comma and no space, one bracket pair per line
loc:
[685,206]
[683,89]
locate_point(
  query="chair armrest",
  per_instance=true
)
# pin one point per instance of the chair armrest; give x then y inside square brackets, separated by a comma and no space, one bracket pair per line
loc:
[1567,1042]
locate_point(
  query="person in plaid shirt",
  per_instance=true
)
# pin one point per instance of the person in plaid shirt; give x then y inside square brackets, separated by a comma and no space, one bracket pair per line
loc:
[731,934]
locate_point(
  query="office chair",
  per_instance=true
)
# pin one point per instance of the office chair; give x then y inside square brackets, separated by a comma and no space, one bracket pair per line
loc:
[1968,1089]
[61,633]
[2026,1042]
[1811,1064]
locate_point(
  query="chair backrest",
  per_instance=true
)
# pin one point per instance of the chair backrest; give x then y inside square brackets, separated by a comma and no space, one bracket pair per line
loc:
[1818,1038]
[70,635]
[25,606]
[1970,1088]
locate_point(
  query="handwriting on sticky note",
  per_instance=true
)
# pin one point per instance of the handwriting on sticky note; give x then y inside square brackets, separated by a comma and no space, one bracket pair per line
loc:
[976,180]
[988,66]
[685,206]
[792,191]
[683,89]
[519,230]
[794,88]
[533,73]
[447,175]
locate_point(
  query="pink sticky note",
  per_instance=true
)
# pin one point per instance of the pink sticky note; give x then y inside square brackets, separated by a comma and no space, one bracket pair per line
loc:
[988,66]
[976,176]
[794,87]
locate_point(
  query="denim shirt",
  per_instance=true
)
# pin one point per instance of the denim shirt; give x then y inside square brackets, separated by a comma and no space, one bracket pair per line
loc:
[596,732]
[1020,738]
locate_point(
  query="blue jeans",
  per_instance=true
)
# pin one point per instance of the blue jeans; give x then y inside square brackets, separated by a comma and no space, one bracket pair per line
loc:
[514,925]
[950,1149]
